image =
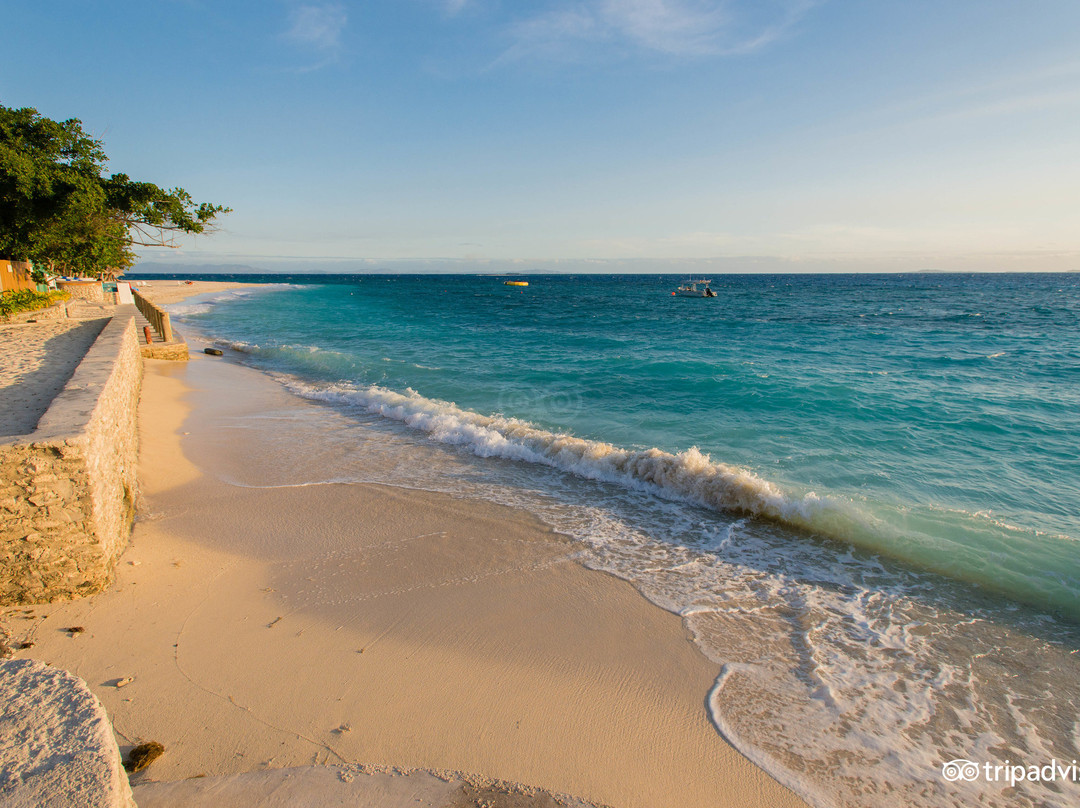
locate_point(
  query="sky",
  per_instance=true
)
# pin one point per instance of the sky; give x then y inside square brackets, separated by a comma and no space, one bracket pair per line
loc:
[614,135]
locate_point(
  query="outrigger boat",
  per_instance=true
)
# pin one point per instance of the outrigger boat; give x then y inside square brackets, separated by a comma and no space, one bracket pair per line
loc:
[691,289]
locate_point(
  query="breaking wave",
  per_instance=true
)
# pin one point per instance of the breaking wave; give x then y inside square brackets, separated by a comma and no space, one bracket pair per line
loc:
[1040,568]
[689,476]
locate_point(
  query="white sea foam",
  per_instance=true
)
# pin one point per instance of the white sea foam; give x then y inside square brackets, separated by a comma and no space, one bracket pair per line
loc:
[689,476]
[205,302]
[837,677]
[186,309]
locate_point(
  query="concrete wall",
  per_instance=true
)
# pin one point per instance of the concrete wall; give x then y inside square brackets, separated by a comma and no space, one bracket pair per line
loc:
[67,490]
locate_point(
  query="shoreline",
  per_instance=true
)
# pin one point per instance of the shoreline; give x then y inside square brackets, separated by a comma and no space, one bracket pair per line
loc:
[269,628]
[167,292]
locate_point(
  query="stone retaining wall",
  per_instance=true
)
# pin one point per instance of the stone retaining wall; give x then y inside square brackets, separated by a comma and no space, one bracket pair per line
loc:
[86,290]
[176,351]
[67,489]
[57,311]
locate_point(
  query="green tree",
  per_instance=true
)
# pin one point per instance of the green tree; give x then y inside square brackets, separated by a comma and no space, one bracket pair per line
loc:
[49,177]
[57,206]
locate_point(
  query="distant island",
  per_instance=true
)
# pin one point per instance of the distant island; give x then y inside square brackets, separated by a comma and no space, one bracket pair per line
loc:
[174,267]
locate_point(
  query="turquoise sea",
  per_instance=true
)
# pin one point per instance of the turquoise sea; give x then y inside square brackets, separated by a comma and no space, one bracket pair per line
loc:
[861,492]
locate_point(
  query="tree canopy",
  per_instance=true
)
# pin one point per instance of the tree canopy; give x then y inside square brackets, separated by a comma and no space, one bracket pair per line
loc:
[58,207]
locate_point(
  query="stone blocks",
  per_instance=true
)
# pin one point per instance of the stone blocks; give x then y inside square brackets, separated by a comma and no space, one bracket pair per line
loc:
[68,489]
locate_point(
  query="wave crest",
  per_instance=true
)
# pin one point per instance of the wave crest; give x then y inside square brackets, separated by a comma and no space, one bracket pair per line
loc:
[690,476]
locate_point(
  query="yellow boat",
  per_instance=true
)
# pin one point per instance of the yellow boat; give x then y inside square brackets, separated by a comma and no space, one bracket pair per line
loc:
[516,283]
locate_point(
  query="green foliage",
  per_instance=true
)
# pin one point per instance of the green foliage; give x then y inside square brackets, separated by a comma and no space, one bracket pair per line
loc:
[58,208]
[147,209]
[25,300]
[49,173]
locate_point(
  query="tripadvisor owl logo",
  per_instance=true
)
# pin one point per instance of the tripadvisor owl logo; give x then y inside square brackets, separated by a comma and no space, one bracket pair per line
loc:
[961,770]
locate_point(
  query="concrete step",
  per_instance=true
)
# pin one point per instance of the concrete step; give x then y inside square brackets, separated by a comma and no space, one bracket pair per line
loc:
[140,323]
[158,348]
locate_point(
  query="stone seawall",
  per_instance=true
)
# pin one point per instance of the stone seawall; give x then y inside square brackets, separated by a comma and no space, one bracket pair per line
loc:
[67,489]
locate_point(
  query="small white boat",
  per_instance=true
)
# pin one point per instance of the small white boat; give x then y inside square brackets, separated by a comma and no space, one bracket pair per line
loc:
[695,288]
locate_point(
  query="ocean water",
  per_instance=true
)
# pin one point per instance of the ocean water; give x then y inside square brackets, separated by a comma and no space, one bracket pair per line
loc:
[861,492]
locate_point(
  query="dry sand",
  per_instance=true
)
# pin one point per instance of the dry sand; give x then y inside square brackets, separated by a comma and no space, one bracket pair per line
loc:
[36,360]
[348,624]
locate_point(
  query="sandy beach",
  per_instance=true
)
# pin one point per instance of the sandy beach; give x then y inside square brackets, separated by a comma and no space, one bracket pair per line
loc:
[260,629]
[166,292]
[36,360]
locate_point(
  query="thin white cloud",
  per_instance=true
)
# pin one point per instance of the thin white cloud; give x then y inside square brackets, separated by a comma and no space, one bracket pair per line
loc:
[683,28]
[567,23]
[1015,105]
[1037,90]
[317,28]
[668,26]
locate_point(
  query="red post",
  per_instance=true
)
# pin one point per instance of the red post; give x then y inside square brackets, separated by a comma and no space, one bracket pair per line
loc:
[147,334]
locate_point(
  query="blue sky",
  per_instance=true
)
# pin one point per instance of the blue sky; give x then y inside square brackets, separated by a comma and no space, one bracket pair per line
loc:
[608,134]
